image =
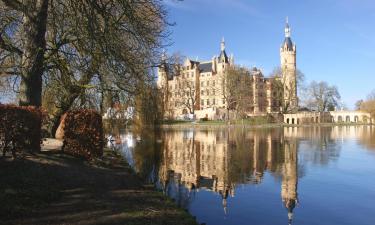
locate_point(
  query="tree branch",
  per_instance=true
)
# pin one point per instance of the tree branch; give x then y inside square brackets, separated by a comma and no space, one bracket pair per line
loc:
[9,47]
[15,5]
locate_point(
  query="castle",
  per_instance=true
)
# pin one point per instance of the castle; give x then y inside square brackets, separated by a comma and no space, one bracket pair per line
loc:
[198,87]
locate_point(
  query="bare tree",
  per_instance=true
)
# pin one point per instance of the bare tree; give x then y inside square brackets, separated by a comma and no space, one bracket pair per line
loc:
[323,97]
[279,87]
[369,104]
[187,94]
[358,104]
[236,91]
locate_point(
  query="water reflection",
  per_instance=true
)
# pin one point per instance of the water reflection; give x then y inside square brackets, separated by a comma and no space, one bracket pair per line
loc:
[184,162]
[219,160]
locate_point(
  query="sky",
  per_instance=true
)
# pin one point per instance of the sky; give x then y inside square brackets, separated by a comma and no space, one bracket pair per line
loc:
[335,38]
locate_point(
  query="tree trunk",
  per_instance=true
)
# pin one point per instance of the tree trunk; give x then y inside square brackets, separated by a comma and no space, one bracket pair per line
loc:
[228,115]
[73,92]
[65,106]
[34,28]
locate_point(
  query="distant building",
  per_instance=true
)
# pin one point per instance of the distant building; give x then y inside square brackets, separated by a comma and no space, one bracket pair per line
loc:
[197,87]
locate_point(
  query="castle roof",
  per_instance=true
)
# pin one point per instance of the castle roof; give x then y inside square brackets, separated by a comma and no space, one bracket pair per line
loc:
[193,63]
[223,57]
[205,67]
[288,43]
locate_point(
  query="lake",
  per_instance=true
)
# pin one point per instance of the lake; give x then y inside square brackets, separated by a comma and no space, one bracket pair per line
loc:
[290,175]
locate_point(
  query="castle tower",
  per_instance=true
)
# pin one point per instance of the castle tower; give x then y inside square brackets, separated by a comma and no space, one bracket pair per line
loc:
[288,68]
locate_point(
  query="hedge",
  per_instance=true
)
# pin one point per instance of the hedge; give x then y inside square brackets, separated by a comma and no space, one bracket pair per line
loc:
[20,128]
[83,134]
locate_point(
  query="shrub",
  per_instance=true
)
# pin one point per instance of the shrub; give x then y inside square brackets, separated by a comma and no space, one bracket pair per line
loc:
[83,134]
[20,128]
[203,119]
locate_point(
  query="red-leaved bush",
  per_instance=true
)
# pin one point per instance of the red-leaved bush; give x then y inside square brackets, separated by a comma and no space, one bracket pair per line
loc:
[20,128]
[83,134]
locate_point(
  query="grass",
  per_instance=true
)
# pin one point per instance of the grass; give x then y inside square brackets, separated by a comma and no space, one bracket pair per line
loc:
[171,122]
[249,121]
[53,188]
[212,122]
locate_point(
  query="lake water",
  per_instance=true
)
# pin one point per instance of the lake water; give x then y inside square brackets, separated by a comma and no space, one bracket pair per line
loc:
[304,175]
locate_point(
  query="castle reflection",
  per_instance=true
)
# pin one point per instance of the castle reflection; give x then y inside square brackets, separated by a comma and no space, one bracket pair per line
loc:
[219,160]
[186,161]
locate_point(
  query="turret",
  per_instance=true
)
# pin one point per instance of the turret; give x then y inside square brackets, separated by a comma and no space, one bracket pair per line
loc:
[223,58]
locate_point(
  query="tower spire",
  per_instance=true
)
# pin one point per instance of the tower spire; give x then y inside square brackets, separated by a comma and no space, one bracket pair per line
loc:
[287,28]
[222,46]
[164,55]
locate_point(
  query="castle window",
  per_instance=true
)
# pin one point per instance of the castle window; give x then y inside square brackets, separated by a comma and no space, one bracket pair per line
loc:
[213,83]
[213,92]
[202,84]
[213,101]
[208,92]
[202,93]
[202,102]
[208,101]
[208,83]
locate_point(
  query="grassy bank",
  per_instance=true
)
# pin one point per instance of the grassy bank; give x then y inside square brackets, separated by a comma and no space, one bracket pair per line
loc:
[53,188]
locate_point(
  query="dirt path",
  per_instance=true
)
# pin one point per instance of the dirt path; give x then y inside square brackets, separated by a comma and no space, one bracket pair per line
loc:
[53,188]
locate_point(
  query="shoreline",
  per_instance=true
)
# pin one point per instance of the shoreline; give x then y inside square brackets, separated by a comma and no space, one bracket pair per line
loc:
[186,125]
[54,188]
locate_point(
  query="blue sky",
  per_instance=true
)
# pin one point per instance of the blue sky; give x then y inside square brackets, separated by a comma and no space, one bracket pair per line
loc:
[335,38]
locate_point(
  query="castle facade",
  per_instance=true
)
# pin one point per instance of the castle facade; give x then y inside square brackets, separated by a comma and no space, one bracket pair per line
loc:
[198,87]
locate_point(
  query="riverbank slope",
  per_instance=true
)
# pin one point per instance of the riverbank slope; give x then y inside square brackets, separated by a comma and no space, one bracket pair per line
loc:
[54,188]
